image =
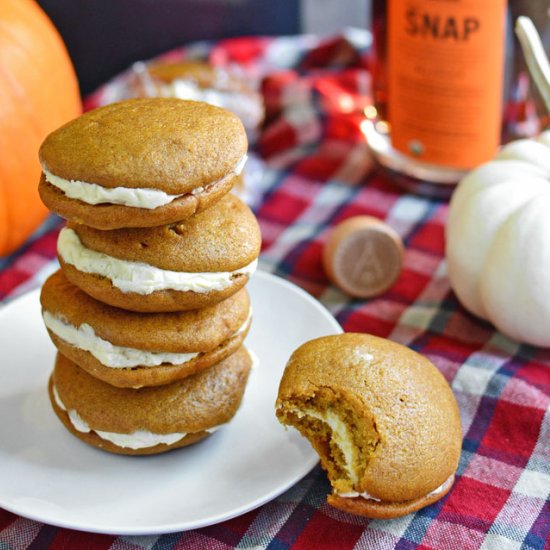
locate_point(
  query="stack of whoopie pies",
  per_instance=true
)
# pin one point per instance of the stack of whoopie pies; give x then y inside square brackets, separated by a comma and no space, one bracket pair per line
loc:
[149,310]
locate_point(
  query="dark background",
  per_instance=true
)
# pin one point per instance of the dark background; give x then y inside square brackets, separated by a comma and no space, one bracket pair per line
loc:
[105,37]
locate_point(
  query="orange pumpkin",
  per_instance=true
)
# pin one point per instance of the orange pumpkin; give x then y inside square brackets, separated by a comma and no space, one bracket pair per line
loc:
[38,93]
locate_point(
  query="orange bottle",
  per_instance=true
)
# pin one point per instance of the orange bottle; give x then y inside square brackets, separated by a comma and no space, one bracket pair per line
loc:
[438,75]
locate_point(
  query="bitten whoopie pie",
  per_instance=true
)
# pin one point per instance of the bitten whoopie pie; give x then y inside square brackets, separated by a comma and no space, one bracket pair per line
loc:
[188,265]
[202,81]
[381,417]
[148,420]
[129,349]
[141,162]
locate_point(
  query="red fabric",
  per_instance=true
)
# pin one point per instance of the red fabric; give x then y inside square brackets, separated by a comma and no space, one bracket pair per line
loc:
[324,532]
[67,539]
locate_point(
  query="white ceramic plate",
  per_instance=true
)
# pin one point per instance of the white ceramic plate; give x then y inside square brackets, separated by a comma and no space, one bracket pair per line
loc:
[48,475]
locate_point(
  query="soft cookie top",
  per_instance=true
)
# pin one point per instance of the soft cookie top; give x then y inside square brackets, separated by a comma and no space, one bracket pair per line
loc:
[141,162]
[187,265]
[202,401]
[189,331]
[225,237]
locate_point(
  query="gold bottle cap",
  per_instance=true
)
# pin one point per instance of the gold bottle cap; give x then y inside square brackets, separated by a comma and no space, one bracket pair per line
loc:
[363,256]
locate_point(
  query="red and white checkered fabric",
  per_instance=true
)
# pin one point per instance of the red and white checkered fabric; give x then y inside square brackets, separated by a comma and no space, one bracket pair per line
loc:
[316,173]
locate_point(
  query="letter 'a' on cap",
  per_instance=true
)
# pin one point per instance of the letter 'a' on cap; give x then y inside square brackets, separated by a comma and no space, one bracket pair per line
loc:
[363,256]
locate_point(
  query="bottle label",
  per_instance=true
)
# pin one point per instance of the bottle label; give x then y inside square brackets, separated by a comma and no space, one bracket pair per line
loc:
[445,74]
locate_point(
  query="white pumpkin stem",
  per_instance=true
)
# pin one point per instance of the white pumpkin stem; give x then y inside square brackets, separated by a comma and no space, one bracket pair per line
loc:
[535,56]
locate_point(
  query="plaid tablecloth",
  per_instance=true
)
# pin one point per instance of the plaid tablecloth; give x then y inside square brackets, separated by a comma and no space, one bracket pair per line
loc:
[318,172]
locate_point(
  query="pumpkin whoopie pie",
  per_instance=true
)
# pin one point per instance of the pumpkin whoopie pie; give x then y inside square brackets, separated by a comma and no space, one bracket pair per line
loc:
[187,265]
[148,420]
[141,162]
[381,417]
[201,81]
[129,349]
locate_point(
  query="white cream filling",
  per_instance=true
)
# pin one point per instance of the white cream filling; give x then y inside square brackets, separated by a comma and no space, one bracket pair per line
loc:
[110,355]
[92,193]
[355,494]
[340,435]
[255,359]
[367,496]
[139,439]
[139,277]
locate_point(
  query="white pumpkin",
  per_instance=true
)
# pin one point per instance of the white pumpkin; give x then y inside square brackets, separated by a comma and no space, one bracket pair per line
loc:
[498,241]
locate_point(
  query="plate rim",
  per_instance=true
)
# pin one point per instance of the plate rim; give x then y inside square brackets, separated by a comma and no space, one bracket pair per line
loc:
[126,530]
